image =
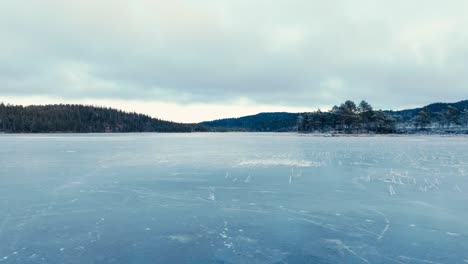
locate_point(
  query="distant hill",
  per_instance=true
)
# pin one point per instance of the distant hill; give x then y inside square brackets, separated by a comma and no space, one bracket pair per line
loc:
[284,122]
[263,122]
[346,118]
[82,119]
[408,114]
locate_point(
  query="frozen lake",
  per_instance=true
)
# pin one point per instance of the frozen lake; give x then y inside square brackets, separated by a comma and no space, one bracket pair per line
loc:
[233,198]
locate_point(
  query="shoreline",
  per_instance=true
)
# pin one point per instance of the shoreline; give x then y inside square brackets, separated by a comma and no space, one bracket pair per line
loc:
[324,135]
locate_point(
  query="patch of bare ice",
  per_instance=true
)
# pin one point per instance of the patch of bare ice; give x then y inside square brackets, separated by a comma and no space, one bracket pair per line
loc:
[278,162]
[181,238]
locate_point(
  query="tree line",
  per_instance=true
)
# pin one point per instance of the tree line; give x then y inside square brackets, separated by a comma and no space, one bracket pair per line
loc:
[348,118]
[448,117]
[362,118]
[82,119]
[345,118]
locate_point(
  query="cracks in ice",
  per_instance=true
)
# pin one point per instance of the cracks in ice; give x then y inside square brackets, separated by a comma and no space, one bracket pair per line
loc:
[387,225]
[340,246]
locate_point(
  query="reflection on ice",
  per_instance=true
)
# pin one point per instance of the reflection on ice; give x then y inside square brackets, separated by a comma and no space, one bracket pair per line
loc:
[278,162]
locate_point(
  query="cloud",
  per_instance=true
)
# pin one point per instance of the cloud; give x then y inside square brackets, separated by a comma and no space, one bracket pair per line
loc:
[286,53]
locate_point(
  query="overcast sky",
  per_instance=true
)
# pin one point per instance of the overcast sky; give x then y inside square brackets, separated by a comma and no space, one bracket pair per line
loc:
[202,59]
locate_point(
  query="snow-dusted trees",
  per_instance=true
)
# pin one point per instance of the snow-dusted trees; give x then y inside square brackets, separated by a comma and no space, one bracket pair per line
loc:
[423,119]
[348,118]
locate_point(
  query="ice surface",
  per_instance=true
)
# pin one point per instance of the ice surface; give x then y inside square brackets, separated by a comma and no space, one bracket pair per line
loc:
[233,198]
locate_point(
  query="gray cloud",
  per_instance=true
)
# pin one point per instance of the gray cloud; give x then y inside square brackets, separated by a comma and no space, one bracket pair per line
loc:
[297,53]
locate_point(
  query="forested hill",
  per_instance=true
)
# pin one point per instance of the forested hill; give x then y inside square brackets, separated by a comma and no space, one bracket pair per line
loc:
[350,117]
[263,122]
[82,119]
[347,117]
[407,114]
